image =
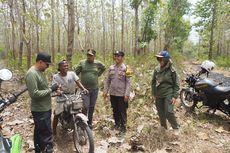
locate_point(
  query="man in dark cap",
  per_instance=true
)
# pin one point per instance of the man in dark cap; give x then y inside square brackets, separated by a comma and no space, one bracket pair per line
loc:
[117,85]
[89,70]
[40,94]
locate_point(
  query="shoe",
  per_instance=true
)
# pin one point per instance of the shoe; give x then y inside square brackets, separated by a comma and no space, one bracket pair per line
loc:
[123,130]
[48,149]
[176,132]
[117,127]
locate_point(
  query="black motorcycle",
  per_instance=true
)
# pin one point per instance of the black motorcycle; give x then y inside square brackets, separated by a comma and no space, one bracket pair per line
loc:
[205,92]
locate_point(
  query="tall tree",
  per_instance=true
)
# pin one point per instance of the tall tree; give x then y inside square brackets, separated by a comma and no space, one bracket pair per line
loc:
[148,31]
[37,27]
[21,20]
[122,24]
[52,29]
[58,27]
[207,11]
[113,26]
[26,40]
[87,25]
[12,19]
[135,5]
[71,27]
[177,29]
[103,27]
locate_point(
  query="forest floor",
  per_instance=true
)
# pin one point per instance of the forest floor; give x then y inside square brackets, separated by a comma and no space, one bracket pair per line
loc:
[199,133]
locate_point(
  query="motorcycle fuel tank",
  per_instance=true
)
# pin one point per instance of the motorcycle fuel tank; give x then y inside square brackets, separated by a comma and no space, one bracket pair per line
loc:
[205,85]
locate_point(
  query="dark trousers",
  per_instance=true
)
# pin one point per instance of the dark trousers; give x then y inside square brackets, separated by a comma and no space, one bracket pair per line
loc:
[90,102]
[119,107]
[165,112]
[43,141]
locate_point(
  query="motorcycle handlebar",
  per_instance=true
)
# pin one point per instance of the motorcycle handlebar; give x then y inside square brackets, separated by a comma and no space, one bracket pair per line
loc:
[11,99]
[20,92]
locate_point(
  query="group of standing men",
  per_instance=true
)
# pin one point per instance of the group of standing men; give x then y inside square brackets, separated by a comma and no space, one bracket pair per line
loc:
[165,88]
[117,85]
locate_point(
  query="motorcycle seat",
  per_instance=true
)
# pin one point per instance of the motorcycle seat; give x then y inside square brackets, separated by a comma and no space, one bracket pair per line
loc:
[224,90]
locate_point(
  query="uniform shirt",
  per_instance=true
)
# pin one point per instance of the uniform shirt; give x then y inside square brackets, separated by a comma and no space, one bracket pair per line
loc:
[89,73]
[39,90]
[165,82]
[117,83]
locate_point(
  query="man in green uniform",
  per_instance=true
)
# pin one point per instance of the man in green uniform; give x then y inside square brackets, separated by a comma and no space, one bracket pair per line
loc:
[89,70]
[165,89]
[40,94]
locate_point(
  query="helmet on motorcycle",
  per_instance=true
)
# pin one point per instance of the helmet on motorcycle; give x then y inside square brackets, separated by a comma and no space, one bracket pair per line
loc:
[163,54]
[207,65]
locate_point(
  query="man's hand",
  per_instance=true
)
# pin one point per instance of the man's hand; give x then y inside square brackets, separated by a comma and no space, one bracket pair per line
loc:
[54,87]
[126,98]
[85,91]
[173,101]
[59,92]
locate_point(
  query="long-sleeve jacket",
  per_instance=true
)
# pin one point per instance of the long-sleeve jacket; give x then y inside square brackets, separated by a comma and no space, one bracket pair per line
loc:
[39,90]
[165,82]
[117,83]
[89,73]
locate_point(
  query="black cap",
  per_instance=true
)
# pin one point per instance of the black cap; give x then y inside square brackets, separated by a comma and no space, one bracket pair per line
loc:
[44,57]
[119,53]
[91,52]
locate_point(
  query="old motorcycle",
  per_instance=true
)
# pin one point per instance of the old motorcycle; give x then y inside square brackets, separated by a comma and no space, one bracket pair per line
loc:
[73,119]
[205,91]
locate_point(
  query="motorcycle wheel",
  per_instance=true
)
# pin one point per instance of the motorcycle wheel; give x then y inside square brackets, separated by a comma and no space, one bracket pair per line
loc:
[187,100]
[83,138]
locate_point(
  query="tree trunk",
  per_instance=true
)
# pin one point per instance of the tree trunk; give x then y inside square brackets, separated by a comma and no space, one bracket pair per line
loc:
[10,3]
[6,35]
[87,27]
[113,26]
[212,30]
[52,34]
[27,41]
[136,32]
[21,30]
[122,24]
[71,27]
[37,27]
[103,26]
